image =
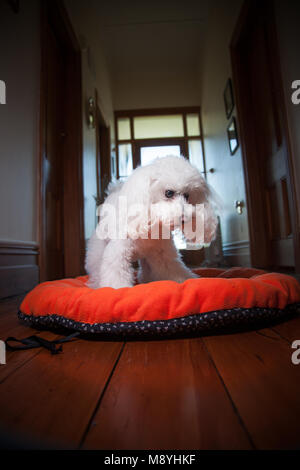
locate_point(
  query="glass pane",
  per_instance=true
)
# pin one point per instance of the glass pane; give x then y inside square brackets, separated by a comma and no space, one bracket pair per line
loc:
[196,154]
[232,137]
[148,154]
[158,126]
[124,129]
[193,125]
[125,160]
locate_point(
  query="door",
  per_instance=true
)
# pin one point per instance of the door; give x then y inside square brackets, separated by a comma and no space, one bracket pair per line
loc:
[60,189]
[263,139]
[53,164]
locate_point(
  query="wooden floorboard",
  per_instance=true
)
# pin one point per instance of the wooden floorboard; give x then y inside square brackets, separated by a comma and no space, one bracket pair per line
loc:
[11,326]
[166,395]
[49,399]
[237,391]
[263,383]
[290,330]
[52,398]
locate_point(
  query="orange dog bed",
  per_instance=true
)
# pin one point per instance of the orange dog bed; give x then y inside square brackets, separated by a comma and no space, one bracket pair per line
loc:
[220,299]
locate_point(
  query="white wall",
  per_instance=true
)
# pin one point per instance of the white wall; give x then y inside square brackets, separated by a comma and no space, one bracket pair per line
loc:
[228,179]
[20,69]
[94,76]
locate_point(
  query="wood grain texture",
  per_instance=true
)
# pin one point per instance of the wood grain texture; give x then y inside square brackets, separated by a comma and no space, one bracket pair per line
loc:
[290,330]
[257,371]
[166,395]
[60,137]
[11,326]
[47,398]
[237,391]
[52,397]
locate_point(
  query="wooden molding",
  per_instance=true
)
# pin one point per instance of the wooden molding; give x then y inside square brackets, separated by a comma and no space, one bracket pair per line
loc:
[19,271]
[157,111]
[54,15]
[136,144]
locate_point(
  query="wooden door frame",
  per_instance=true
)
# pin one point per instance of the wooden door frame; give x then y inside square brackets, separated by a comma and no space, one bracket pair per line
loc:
[256,215]
[132,113]
[103,151]
[54,13]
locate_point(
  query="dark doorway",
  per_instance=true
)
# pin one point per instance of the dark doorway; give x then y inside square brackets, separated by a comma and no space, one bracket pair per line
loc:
[263,131]
[61,190]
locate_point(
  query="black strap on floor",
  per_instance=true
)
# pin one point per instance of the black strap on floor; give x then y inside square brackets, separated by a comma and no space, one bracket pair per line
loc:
[32,342]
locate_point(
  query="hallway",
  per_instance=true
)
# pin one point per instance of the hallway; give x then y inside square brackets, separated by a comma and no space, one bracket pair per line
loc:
[94,89]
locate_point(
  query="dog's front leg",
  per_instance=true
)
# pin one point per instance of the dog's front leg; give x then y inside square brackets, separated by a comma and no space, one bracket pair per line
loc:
[173,269]
[115,269]
[164,263]
[178,271]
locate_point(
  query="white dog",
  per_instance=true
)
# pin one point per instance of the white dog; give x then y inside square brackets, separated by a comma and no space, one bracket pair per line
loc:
[137,220]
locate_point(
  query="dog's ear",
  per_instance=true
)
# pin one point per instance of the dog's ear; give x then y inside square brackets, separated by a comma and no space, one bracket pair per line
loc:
[201,224]
[138,196]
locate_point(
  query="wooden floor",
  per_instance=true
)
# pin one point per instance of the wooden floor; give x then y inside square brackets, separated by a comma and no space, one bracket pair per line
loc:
[237,391]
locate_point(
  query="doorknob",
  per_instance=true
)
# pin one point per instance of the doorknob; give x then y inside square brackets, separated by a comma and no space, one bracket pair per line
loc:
[211,170]
[239,206]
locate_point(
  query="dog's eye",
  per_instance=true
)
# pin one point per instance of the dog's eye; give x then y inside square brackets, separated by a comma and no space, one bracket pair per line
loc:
[169,193]
[186,196]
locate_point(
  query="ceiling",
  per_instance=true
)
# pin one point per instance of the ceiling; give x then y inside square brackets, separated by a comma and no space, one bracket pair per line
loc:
[153,48]
[151,33]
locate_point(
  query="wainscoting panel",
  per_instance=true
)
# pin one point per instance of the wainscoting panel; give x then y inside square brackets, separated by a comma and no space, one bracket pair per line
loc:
[19,271]
[237,253]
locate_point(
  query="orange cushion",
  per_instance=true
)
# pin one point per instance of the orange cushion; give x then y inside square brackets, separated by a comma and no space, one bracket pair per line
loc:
[216,290]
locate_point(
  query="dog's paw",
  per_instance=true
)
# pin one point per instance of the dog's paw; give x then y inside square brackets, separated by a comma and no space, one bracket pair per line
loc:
[185,277]
[116,283]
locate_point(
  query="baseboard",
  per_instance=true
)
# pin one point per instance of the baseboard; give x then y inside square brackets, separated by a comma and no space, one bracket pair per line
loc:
[237,253]
[19,270]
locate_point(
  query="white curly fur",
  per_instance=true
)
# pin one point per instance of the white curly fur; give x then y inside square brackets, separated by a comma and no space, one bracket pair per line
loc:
[109,258]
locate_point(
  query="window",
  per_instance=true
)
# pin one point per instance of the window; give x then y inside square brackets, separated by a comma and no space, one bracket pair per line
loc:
[196,154]
[125,160]
[124,128]
[193,125]
[148,154]
[143,135]
[158,126]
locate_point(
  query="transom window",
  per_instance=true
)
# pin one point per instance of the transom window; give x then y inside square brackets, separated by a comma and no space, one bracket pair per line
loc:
[143,135]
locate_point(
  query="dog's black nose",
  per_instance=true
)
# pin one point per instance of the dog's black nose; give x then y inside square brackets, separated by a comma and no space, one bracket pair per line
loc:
[186,196]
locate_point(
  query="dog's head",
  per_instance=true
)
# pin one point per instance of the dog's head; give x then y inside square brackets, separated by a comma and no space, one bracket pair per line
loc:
[172,194]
